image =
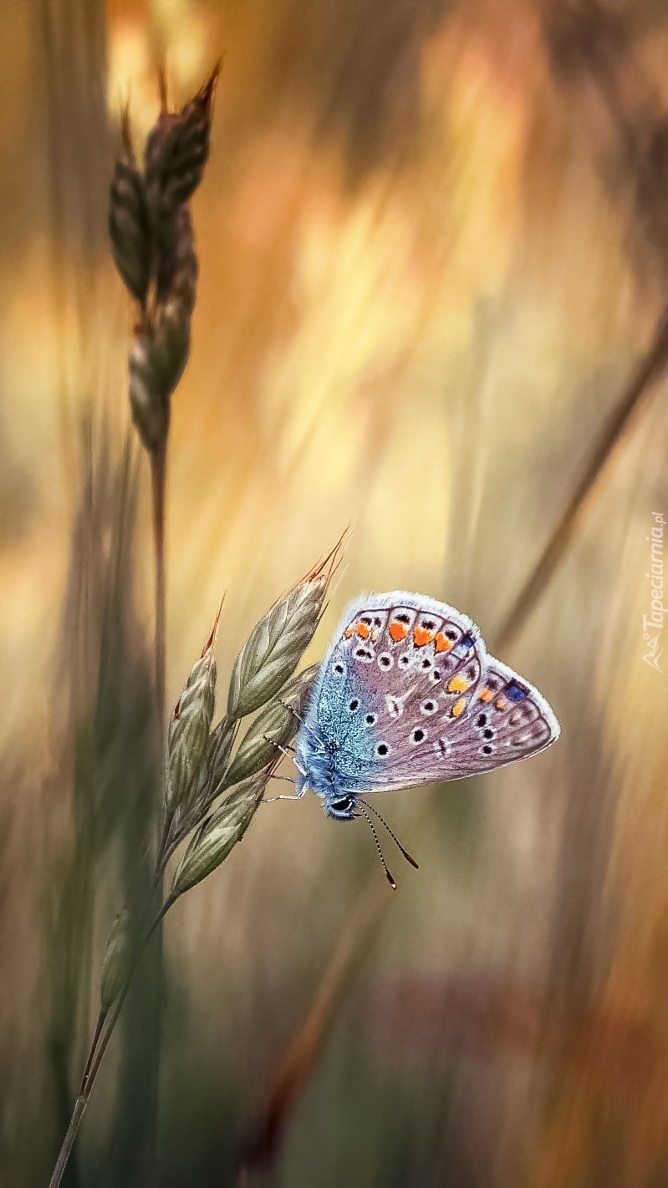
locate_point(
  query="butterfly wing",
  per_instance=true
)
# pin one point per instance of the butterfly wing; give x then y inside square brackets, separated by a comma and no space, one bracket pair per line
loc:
[407,695]
[397,659]
[507,720]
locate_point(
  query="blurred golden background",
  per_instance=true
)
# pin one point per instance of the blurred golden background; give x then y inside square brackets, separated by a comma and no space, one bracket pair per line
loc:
[433,244]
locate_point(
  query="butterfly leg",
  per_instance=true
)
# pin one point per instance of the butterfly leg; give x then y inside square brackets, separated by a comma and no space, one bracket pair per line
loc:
[297,796]
[284,752]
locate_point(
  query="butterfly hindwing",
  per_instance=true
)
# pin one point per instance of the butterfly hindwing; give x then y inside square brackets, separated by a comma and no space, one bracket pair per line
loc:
[506,720]
[509,720]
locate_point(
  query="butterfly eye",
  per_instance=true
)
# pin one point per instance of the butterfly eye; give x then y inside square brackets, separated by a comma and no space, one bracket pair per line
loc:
[418,736]
[426,663]
[488,734]
[428,707]
[370,719]
[353,705]
[385,660]
[405,660]
[482,719]
[364,654]
[435,675]
[342,807]
[382,749]
[487,750]
[339,668]
[451,634]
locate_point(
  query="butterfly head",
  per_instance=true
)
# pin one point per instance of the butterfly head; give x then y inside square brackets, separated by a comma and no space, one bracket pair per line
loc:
[317,771]
[341,807]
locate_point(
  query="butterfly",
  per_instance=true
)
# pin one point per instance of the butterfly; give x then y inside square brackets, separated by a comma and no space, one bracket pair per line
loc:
[407,694]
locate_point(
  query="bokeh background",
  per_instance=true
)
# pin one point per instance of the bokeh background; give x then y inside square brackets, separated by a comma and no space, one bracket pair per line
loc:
[433,244]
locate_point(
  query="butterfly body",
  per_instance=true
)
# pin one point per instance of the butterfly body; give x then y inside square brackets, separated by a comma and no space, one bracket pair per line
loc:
[407,695]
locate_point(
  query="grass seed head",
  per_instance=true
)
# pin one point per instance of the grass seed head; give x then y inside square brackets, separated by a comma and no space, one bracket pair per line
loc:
[208,785]
[177,150]
[277,643]
[189,726]
[153,246]
[115,962]
[220,832]
[148,402]
[273,728]
[129,229]
[176,267]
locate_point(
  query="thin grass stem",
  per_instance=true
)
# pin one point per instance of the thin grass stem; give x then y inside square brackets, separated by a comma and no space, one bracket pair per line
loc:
[98,1048]
[93,1045]
[158,484]
[650,368]
[68,1142]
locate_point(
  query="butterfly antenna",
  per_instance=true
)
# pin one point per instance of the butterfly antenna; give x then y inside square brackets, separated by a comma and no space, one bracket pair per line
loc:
[394,837]
[372,827]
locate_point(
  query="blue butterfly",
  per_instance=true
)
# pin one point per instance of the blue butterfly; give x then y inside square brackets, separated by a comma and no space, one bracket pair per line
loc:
[406,695]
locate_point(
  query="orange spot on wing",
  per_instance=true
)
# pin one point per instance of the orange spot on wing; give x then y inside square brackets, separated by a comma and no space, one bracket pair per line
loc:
[486,695]
[397,630]
[458,708]
[349,631]
[443,644]
[422,637]
[363,631]
[500,703]
[459,684]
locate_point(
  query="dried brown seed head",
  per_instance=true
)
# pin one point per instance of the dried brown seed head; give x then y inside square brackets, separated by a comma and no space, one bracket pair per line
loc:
[129,230]
[148,401]
[176,274]
[176,152]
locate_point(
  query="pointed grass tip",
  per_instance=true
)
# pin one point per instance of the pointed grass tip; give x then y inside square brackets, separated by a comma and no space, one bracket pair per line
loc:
[279,639]
[213,635]
[328,566]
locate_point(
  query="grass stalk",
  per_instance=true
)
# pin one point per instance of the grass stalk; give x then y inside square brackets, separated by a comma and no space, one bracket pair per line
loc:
[98,1048]
[649,370]
[158,487]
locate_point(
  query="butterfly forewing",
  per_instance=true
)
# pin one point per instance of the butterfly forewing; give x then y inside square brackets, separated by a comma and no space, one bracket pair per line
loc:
[401,670]
[407,695]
